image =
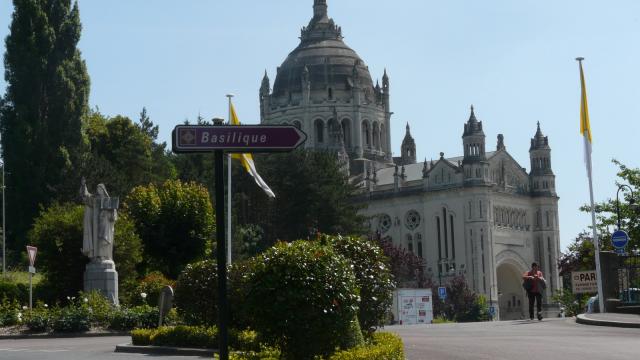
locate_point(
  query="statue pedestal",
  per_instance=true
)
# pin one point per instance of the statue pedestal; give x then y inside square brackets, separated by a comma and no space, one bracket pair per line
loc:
[101,275]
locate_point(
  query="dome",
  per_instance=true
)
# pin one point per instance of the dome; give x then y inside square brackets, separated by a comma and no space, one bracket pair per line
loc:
[324,59]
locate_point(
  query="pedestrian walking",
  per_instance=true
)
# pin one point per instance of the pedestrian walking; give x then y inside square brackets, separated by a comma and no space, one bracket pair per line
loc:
[534,283]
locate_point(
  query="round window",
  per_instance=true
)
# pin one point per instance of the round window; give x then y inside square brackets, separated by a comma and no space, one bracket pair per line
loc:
[384,223]
[412,220]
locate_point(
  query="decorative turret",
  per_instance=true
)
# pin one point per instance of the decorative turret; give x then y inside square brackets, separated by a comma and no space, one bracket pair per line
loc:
[476,168]
[541,176]
[321,27]
[500,145]
[264,95]
[408,149]
[385,90]
[473,140]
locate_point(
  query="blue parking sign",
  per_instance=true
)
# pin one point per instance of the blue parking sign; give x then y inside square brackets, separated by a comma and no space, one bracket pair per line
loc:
[442,292]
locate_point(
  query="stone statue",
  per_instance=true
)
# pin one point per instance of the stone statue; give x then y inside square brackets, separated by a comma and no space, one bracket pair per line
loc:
[100,215]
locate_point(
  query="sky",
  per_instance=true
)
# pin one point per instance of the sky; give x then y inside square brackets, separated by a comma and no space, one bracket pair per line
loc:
[513,60]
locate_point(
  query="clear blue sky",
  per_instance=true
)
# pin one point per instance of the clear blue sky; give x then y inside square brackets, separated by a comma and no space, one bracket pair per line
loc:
[514,60]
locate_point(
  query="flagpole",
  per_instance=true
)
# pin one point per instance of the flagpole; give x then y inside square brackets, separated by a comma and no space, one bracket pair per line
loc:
[229,96]
[587,143]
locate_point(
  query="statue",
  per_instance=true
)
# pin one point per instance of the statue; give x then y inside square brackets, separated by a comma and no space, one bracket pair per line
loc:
[100,215]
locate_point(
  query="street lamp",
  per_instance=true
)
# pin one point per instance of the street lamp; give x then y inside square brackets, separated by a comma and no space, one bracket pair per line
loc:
[632,203]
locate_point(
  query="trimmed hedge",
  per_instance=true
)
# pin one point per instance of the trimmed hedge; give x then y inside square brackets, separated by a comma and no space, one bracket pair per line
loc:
[383,346]
[194,336]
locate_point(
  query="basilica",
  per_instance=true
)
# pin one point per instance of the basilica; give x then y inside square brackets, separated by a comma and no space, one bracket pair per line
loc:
[480,215]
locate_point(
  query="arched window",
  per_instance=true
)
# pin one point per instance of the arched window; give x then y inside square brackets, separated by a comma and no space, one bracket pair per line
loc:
[376,136]
[297,124]
[346,131]
[319,131]
[409,243]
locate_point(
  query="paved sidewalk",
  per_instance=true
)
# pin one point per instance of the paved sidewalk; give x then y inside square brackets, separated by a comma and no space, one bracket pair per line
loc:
[610,319]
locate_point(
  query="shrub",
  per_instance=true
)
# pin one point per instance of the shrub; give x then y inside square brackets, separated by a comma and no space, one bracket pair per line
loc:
[57,232]
[143,316]
[10,312]
[186,336]
[175,222]
[302,297]
[461,304]
[373,277]
[384,346]
[13,290]
[39,319]
[151,285]
[196,293]
[194,336]
[71,319]
[97,306]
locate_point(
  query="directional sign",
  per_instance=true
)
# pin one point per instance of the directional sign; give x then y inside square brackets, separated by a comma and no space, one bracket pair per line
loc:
[32,251]
[620,238]
[236,138]
[492,311]
[442,292]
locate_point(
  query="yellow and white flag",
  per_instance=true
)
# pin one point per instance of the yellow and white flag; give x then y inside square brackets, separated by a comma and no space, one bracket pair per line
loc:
[585,127]
[247,159]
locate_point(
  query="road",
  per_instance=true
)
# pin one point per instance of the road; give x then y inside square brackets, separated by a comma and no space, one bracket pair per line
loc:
[518,340]
[84,348]
[509,340]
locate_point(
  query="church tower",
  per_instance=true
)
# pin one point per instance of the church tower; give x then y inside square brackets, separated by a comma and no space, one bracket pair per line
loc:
[474,162]
[408,149]
[543,181]
[325,89]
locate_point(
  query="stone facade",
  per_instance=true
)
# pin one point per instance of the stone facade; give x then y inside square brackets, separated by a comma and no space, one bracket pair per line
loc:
[480,215]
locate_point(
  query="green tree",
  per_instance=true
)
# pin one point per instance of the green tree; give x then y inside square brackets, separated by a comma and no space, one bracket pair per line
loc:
[312,195]
[40,114]
[122,154]
[175,222]
[57,233]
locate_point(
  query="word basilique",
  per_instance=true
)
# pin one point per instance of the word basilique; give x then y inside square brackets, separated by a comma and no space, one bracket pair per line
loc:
[232,138]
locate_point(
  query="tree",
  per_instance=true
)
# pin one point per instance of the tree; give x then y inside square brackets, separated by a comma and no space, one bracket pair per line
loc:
[57,232]
[407,268]
[122,154]
[40,114]
[175,222]
[312,195]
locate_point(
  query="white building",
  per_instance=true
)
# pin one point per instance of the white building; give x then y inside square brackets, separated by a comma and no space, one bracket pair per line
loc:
[480,215]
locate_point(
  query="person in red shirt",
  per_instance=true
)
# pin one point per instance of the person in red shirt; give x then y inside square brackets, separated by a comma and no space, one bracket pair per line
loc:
[535,283]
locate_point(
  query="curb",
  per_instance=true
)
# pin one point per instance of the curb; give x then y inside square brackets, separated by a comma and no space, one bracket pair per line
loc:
[581,319]
[164,350]
[61,335]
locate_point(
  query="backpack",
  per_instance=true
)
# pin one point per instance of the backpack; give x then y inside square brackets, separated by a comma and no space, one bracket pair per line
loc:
[527,285]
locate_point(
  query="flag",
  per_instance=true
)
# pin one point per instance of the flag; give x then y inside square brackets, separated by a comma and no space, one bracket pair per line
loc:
[585,127]
[247,159]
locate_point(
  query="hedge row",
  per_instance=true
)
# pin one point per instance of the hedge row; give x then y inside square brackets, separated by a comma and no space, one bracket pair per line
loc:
[383,346]
[194,336]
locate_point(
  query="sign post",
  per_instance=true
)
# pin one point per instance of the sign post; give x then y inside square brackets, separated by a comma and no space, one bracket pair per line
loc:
[221,139]
[442,293]
[619,239]
[31,251]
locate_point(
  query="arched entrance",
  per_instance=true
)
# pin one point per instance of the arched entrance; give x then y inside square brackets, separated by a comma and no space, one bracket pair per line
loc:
[512,299]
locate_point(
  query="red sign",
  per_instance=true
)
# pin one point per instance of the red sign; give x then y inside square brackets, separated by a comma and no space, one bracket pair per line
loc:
[32,251]
[236,138]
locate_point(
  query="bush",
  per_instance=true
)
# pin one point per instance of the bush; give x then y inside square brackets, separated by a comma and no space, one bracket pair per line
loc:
[152,286]
[373,277]
[384,346]
[194,336]
[196,293]
[39,319]
[175,223]
[10,312]
[143,316]
[57,232]
[302,297]
[573,304]
[71,319]
[97,306]
[13,290]
[461,304]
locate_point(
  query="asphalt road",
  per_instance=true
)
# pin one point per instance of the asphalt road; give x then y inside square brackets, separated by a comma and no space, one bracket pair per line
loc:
[518,340]
[89,348]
